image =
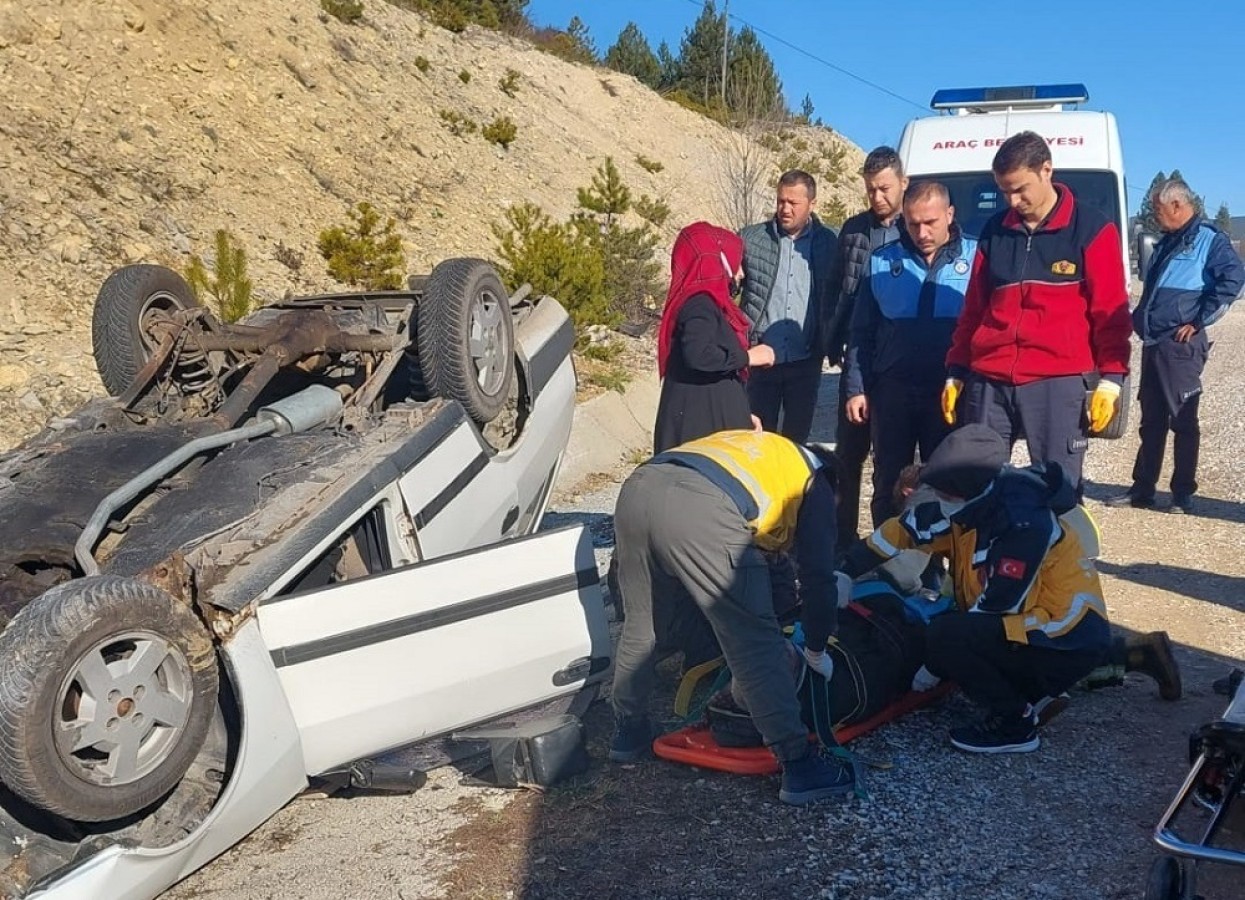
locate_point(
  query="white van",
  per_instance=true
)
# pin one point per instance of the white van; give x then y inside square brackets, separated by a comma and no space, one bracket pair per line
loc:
[958,146]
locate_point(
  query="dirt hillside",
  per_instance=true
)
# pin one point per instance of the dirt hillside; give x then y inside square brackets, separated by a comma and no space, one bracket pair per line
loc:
[136,129]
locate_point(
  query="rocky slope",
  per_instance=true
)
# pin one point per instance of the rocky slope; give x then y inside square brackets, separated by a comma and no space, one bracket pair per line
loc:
[136,128]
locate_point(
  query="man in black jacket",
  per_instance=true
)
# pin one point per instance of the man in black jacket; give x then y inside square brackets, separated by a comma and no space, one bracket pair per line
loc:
[863,233]
[786,289]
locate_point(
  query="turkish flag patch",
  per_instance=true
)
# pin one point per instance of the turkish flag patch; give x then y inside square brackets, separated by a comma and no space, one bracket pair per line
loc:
[1010,568]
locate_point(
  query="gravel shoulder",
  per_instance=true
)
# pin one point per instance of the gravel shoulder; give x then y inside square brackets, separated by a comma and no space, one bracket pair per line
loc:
[1071,821]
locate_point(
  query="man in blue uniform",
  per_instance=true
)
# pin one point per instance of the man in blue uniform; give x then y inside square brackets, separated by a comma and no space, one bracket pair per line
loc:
[903,318]
[1194,277]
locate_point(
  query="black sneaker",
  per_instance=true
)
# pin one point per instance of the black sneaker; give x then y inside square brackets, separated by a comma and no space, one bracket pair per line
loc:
[1151,654]
[998,734]
[815,777]
[1182,505]
[633,740]
[1139,501]
[1049,707]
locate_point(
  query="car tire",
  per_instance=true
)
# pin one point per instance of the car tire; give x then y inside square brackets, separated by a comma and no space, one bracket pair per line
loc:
[130,298]
[108,687]
[464,339]
[1166,880]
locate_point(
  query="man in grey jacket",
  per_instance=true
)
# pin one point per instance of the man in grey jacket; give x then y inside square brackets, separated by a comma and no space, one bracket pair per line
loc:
[787,263]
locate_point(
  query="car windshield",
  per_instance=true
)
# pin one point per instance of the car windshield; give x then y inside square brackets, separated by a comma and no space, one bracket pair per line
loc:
[976,197]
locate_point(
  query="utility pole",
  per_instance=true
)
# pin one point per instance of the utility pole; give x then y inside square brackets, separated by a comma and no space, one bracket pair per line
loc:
[726,41]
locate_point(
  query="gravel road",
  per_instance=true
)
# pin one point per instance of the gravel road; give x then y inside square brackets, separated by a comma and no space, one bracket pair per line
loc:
[1071,821]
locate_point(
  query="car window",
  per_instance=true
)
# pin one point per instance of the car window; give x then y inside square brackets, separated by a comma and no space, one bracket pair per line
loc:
[362,550]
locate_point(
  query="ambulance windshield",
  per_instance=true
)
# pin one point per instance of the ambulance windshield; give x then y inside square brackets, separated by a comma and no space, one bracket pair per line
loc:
[976,197]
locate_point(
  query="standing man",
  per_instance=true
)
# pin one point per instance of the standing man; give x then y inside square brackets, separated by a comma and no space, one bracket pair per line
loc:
[693,522]
[787,263]
[905,311]
[1193,279]
[862,234]
[1046,305]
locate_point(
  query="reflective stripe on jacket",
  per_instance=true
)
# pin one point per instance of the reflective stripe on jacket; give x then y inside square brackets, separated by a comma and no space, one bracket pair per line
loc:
[1014,555]
[764,473]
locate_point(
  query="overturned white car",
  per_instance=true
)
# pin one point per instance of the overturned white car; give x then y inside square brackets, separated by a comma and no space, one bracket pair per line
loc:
[284,546]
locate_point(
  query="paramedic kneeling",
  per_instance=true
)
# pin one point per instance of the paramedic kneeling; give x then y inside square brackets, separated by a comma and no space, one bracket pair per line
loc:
[1031,620]
[693,521]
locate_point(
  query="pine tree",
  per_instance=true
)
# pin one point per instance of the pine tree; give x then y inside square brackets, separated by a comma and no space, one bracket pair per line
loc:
[512,14]
[1145,213]
[632,272]
[365,252]
[228,283]
[1223,220]
[754,89]
[670,70]
[632,55]
[577,31]
[556,259]
[700,55]
[608,195]
[806,110]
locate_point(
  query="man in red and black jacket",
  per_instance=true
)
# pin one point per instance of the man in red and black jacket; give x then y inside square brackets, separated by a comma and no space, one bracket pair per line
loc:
[1046,307]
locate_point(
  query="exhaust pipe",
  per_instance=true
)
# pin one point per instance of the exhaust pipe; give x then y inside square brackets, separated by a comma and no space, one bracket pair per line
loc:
[312,406]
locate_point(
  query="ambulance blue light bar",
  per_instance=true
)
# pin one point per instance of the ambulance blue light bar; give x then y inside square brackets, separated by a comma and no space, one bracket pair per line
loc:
[1020,95]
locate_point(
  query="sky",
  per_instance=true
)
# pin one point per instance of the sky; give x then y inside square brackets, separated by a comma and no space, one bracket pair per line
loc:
[1175,81]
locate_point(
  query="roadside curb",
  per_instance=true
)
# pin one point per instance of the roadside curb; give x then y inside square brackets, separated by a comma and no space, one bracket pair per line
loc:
[608,430]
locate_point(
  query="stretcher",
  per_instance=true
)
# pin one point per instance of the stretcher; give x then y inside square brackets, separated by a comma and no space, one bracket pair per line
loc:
[695,746]
[1209,803]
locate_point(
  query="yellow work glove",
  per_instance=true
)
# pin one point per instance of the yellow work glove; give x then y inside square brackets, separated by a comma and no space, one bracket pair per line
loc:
[951,394]
[1102,403]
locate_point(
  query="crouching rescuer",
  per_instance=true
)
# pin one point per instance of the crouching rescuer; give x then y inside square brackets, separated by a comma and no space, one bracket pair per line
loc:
[1030,619]
[696,521]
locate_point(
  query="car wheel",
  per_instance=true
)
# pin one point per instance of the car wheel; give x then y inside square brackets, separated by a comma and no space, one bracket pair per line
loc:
[464,339]
[1165,881]
[131,300]
[107,688]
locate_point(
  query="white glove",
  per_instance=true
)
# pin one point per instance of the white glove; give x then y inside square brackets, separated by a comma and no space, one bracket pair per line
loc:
[844,586]
[820,662]
[924,680]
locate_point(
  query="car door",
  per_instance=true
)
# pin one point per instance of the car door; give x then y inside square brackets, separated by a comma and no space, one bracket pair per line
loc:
[458,496]
[387,660]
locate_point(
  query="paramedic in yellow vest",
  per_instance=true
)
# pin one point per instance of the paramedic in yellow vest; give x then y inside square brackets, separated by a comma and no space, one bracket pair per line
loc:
[694,521]
[1031,620]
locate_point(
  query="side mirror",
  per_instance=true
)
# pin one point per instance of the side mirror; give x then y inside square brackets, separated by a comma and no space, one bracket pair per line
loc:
[1145,252]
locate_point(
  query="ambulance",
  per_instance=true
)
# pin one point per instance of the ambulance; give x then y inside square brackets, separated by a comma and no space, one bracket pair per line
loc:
[957,146]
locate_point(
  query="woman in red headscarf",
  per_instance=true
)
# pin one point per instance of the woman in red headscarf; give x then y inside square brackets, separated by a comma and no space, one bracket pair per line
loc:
[702,346]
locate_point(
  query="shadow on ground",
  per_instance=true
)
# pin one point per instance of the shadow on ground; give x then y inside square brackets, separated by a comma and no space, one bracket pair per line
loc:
[1077,815]
[1211,587]
[1204,507]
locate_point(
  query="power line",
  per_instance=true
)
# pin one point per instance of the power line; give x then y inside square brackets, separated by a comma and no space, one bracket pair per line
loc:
[825,62]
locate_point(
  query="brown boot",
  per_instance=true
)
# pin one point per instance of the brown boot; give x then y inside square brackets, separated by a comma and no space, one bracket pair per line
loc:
[1151,654]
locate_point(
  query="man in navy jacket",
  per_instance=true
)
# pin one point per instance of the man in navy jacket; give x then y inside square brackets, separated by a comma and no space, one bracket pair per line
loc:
[905,311]
[1193,278]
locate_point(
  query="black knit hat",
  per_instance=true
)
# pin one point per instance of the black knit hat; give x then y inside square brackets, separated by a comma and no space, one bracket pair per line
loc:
[966,461]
